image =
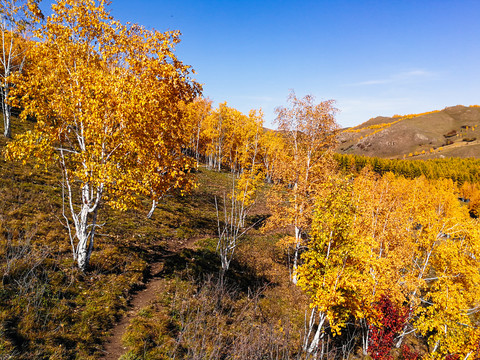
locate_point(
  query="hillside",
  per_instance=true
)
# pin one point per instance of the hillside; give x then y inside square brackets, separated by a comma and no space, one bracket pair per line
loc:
[451,132]
[156,289]
[155,274]
[140,221]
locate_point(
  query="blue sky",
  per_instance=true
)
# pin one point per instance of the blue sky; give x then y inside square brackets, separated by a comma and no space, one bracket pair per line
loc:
[373,57]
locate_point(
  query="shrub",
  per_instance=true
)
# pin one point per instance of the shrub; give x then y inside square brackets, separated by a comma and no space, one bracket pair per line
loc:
[391,320]
[450,134]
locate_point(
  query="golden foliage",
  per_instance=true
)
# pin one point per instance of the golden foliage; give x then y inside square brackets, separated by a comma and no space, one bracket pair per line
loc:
[106,95]
[106,99]
[307,133]
[409,239]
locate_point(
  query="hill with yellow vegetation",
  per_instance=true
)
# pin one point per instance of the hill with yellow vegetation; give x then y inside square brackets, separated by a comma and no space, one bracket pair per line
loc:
[451,132]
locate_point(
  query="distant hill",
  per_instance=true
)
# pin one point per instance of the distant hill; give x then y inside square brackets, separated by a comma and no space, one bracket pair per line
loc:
[451,132]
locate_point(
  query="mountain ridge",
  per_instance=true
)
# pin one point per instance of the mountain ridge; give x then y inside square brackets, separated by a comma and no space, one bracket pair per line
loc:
[451,132]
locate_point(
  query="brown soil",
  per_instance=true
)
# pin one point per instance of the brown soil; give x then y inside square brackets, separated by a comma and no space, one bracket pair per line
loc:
[113,347]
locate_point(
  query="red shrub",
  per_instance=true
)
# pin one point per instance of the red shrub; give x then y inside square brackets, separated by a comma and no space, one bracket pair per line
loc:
[408,354]
[452,357]
[391,321]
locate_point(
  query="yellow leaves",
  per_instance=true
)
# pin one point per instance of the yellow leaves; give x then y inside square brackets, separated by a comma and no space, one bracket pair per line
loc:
[334,269]
[410,239]
[247,185]
[298,160]
[30,145]
[101,93]
[225,136]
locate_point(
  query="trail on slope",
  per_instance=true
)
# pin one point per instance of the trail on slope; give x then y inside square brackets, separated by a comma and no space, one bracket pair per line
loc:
[156,284]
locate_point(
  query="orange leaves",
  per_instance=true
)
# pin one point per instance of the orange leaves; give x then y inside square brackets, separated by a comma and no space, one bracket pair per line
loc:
[470,193]
[107,101]
[30,145]
[104,93]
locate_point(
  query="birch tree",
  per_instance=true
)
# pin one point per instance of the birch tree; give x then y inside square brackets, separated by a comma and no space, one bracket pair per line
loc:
[197,111]
[17,18]
[271,150]
[309,132]
[245,185]
[334,272]
[410,241]
[106,98]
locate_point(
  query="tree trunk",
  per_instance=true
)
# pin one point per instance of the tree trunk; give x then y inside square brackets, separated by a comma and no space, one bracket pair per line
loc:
[154,206]
[296,254]
[85,237]
[365,337]
[84,231]
[6,123]
[313,348]
[6,110]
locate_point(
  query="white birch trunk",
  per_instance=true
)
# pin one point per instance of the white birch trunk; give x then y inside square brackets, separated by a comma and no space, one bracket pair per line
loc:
[7,64]
[296,254]
[82,239]
[85,240]
[420,276]
[85,231]
[6,111]
[152,209]
[311,347]
[365,337]
[12,60]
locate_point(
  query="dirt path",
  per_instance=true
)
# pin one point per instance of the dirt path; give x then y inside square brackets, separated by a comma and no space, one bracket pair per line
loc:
[113,347]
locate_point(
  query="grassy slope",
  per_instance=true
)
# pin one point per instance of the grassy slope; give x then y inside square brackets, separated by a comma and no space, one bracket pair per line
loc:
[47,308]
[50,310]
[255,313]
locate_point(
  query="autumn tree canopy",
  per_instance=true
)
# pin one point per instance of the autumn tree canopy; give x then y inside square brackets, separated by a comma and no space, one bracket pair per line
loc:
[17,19]
[308,130]
[106,99]
[410,241]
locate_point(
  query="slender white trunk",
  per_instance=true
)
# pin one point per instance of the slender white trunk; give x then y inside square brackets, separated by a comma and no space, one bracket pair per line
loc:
[296,254]
[197,143]
[420,276]
[12,59]
[6,121]
[311,347]
[85,231]
[210,162]
[85,238]
[365,337]
[318,335]
[219,161]
[82,240]
[6,109]
[6,57]
[154,206]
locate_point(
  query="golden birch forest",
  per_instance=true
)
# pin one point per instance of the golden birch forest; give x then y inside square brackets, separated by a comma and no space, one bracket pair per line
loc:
[140,221]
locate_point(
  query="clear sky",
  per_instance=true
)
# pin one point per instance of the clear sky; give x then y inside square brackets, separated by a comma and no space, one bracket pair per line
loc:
[381,57]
